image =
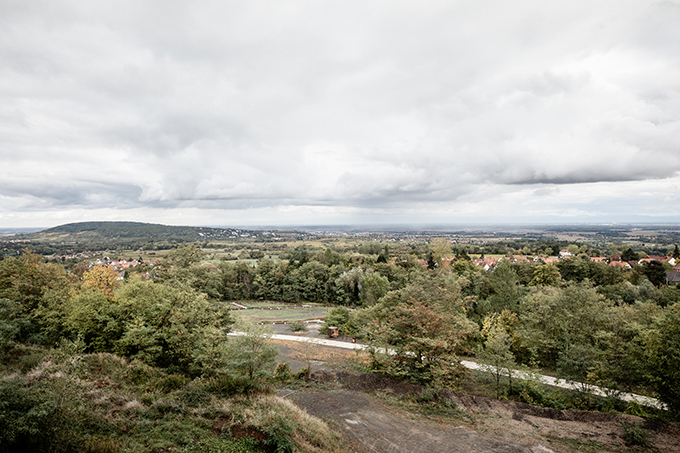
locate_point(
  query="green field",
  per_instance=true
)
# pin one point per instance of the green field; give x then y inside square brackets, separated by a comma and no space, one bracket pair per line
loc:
[261,304]
[285,314]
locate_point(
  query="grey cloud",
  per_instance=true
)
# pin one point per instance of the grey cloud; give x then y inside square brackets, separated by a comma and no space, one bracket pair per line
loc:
[174,133]
[52,194]
[252,105]
[575,179]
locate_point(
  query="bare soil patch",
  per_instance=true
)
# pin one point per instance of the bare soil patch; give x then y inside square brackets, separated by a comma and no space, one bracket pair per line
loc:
[375,428]
[366,408]
[354,405]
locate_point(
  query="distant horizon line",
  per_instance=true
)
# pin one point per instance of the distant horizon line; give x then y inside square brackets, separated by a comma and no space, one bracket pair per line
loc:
[396,226]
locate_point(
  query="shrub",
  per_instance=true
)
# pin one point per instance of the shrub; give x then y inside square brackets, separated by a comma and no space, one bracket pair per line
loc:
[635,436]
[282,372]
[171,382]
[169,405]
[226,385]
[140,373]
[297,326]
[27,417]
[279,433]
[225,444]
[304,373]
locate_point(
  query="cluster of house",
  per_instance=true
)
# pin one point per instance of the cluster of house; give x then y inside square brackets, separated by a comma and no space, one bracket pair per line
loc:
[118,265]
[489,262]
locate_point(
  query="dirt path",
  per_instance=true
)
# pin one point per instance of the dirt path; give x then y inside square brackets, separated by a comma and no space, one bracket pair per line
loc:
[488,425]
[371,425]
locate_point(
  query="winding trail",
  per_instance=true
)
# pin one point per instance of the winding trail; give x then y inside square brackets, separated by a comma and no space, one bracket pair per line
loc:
[549,380]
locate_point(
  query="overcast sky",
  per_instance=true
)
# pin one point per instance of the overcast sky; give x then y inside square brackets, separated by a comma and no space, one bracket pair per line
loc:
[343,112]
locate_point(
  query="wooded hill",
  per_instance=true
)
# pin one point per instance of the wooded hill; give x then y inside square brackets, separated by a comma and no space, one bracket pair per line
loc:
[125,231]
[78,237]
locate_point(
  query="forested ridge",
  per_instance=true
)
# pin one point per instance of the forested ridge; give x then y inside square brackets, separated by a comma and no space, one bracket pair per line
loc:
[586,321]
[98,236]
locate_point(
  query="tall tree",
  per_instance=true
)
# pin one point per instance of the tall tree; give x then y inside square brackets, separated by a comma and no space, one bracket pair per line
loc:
[545,275]
[427,342]
[496,354]
[664,358]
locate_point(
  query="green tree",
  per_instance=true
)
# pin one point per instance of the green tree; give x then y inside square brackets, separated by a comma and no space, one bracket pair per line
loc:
[239,282]
[664,358]
[343,319]
[373,287]
[654,272]
[555,319]
[184,256]
[12,321]
[312,281]
[505,290]
[350,283]
[629,255]
[251,354]
[161,324]
[436,288]
[426,341]
[441,250]
[575,269]
[94,316]
[545,275]
[39,288]
[496,355]
[573,249]
[164,323]
[645,291]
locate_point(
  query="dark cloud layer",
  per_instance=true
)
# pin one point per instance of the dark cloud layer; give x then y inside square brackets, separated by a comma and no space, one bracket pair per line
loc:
[301,111]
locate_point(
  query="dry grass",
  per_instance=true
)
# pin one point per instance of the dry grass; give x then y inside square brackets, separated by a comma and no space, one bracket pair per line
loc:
[333,357]
[310,435]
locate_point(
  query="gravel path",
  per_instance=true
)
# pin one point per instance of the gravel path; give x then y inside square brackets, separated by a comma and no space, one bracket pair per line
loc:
[347,343]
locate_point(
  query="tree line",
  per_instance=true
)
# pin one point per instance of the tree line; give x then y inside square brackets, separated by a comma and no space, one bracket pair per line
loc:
[590,322]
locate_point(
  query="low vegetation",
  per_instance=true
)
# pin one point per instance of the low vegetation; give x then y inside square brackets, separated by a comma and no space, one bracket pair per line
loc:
[65,400]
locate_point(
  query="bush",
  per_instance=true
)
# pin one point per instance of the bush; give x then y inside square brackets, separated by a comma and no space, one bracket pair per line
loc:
[304,373]
[279,433]
[297,326]
[531,391]
[282,372]
[22,357]
[199,391]
[226,385]
[170,405]
[171,382]
[27,417]
[225,444]
[12,322]
[139,373]
[635,436]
